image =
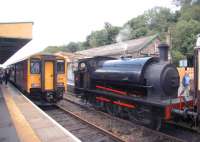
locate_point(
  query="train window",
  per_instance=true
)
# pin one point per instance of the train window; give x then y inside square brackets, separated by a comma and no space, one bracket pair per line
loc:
[60,66]
[35,66]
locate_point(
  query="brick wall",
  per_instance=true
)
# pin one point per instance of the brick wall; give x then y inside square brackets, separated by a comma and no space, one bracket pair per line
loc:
[150,50]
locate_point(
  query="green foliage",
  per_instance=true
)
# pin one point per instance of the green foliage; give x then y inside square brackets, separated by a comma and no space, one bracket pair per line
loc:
[98,38]
[176,56]
[185,2]
[71,47]
[186,29]
[103,37]
[112,32]
[183,25]
[189,12]
[151,22]
[184,36]
[159,19]
[51,49]
[137,27]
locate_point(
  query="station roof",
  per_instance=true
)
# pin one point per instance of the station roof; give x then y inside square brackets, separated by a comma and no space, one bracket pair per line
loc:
[70,57]
[116,49]
[13,36]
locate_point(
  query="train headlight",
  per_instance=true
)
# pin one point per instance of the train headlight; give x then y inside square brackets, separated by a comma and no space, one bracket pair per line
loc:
[35,85]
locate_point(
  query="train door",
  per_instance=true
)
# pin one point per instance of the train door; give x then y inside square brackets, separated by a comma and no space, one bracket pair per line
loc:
[48,75]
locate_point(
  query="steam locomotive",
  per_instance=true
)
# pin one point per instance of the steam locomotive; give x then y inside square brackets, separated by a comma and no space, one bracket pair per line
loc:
[143,90]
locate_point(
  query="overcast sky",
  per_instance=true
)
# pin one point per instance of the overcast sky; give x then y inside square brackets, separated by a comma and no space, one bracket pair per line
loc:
[57,22]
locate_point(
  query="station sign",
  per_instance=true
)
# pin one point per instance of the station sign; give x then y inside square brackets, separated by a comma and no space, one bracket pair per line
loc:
[183,63]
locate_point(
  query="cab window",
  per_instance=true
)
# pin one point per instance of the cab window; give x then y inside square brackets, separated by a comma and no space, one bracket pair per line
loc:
[35,66]
[60,66]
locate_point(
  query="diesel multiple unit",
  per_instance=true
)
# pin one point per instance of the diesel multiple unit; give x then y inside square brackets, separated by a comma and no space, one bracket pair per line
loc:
[42,77]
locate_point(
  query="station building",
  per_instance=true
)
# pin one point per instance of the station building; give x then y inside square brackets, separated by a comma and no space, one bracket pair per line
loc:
[141,47]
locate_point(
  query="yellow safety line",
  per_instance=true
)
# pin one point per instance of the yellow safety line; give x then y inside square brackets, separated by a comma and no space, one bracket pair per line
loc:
[23,128]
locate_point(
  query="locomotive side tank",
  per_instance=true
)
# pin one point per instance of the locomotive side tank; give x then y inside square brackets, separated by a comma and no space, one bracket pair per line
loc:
[152,77]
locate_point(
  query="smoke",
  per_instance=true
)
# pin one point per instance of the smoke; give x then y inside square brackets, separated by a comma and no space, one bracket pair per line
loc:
[124,34]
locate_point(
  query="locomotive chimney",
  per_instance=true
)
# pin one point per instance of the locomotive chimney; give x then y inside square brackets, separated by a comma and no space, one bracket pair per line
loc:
[163,51]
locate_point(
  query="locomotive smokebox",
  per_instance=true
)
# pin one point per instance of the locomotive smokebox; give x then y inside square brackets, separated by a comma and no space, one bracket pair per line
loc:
[163,51]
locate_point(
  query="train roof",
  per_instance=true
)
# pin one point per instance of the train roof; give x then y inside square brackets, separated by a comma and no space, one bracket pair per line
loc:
[37,54]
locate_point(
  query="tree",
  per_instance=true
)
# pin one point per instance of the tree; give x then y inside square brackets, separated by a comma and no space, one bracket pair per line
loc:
[186,28]
[184,35]
[112,32]
[159,19]
[71,47]
[137,27]
[103,37]
[176,56]
[98,38]
[51,49]
[185,2]
[153,21]
[189,12]
[183,25]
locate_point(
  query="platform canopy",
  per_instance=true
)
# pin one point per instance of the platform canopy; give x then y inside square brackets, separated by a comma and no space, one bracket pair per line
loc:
[13,36]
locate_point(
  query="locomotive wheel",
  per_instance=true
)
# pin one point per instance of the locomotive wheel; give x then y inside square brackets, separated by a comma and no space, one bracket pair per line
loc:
[138,117]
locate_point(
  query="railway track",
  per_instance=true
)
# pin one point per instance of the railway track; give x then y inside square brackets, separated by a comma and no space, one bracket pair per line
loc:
[121,129]
[181,132]
[81,128]
[172,132]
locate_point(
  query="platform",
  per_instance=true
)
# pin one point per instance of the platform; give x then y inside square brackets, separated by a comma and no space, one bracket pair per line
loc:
[23,121]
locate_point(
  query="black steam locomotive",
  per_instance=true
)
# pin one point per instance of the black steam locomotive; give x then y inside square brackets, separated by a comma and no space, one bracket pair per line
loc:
[143,90]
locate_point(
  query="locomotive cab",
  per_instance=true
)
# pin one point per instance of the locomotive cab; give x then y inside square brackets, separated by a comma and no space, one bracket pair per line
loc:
[83,73]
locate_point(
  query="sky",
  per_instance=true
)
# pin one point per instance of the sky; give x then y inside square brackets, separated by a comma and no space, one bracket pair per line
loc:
[57,22]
